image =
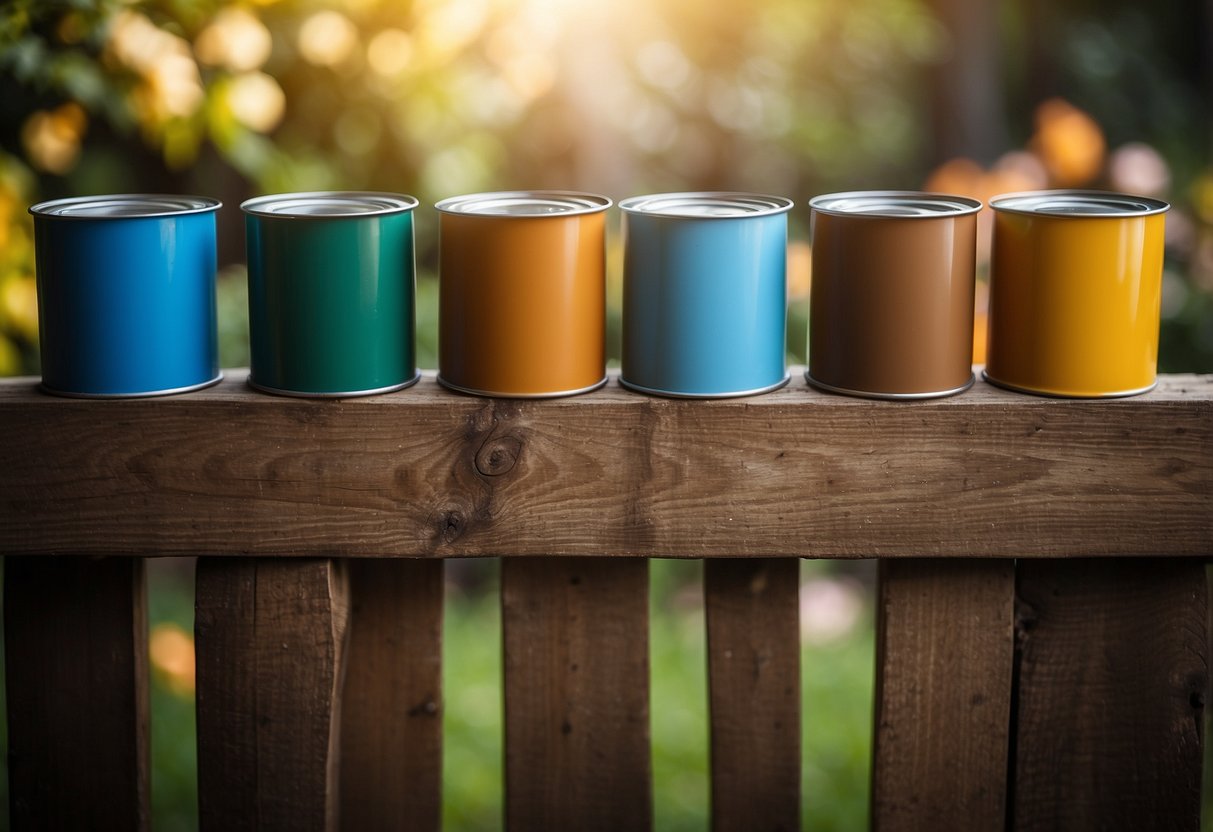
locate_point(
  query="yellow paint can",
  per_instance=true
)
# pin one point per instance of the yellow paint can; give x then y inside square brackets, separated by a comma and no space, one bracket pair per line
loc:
[1075,285]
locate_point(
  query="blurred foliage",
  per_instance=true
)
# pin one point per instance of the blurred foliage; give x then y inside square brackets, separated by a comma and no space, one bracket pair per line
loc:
[437,97]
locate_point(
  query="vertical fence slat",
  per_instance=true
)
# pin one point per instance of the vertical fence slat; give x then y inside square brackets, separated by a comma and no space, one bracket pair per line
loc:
[944,656]
[270,642]
[391,710]
[753,621]
[1111,685]
[76,651]
[576,670]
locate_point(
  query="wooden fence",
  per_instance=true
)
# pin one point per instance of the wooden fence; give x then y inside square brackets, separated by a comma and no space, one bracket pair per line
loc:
[1042,629]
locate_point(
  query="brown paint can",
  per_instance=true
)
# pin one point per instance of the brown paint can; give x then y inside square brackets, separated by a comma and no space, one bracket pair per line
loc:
[891,301]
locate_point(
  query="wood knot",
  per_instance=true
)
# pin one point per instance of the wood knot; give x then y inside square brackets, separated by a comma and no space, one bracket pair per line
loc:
[450,524]
[498,456]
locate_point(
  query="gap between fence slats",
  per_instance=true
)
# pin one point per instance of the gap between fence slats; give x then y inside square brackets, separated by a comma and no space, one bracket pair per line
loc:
[944,650]
[752,609]
[576,668]
[391,708]
[77,682]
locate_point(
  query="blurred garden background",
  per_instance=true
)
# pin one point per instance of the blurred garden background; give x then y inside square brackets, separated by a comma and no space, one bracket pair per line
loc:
[622,97]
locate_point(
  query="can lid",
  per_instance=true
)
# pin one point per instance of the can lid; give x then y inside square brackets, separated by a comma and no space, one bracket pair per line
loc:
[707,204]
[1078,204]
[124,206]
[524,204]
[328,204]
[895,204]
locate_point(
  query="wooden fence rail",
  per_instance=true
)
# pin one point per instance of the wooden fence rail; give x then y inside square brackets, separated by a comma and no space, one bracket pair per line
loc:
[1042,619]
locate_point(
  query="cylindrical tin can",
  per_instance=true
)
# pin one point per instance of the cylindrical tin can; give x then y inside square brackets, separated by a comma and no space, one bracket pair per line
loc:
[331,293]
[522,293]
[705,294]
[126,294]
[891,299]
[1075,285]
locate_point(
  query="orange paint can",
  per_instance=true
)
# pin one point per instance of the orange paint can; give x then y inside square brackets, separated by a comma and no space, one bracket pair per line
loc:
[522,293]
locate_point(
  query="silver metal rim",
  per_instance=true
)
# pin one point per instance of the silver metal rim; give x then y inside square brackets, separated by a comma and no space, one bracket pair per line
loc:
[185,205]
[1120,394]
[672,394]
[1120,205]
[578,203]
[347,394]
[496,394]
[757,205]
[379,204]
[148,394]
[942,206]
[897,397]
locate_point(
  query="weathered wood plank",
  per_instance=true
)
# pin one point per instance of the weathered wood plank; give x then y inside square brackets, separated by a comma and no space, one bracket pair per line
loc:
[75,640]
[391,713]
[576,694]
[752,608]
[944,650]
[270,639]
[1113,674]
[426,472]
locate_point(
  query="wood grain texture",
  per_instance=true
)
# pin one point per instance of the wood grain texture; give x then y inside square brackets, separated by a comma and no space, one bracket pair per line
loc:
[944,651]
[752,607]
[576,669]
[427,472]
[75,640]
[1112,679]
[270,640]
[391,705]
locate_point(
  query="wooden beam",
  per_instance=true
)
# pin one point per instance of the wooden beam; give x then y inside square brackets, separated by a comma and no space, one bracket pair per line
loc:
[75,640]
[391,712]
[270,639]
[425,472]
[944,649]
[752,608]
[576,670]
[1113,675]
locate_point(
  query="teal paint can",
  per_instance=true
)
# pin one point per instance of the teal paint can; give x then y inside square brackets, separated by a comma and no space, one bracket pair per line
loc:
[331,293]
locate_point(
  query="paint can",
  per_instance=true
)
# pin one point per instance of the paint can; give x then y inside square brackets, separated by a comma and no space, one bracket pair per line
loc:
[1075,293]
[126,294]
[891,299]
[522,293]
[331,293]
[705,294]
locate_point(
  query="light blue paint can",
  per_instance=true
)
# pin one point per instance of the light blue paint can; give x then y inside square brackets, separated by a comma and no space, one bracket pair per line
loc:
[126,294]
[704,294]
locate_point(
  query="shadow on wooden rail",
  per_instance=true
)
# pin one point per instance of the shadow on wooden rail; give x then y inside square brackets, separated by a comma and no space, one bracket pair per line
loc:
[1042,691]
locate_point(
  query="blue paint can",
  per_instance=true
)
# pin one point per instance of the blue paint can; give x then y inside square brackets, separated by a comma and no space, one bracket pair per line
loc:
[704,294]
[126,294]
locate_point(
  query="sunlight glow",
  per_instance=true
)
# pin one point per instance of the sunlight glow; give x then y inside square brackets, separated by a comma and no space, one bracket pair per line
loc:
[327,38]
[256,101]
[235,39]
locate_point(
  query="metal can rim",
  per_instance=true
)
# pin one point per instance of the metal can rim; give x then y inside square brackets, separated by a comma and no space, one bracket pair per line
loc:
[168,205]
[931,205]
[575,203]
[378,204]
[757,205]
[1131,205]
